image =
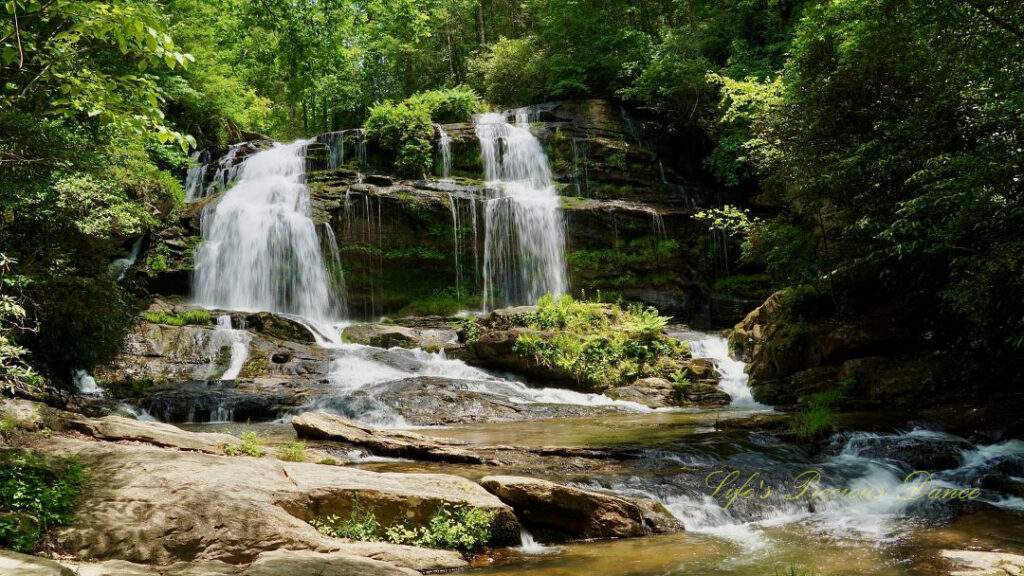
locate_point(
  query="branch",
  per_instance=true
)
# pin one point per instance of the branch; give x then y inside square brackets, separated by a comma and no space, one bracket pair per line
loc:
[998,21]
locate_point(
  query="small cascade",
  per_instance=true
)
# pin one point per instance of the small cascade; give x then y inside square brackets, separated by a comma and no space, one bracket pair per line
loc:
[524,255]
[733,376]
[86,384]
[458,248]
[528,545]
[227,171]
[335,271]
[658,226]
[195,188]
[444,145]
[364,229]
[581,165]
[335,141]
[360,146]
[260,249]
[118,268]
[238,340]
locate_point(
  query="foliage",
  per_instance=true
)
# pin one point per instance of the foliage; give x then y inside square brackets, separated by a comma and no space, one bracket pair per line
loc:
[44,488]
[818,414]
[451,527]
[15,372]
[292,451]
[405,130]
[252,445]
[729,219]
[188,317]
[600,345]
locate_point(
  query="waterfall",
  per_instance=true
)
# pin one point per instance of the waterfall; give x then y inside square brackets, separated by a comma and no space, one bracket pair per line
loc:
[581,159]
[260,249]
[658,226]
[455,235]
[194,179]
[524,255]
[733,374]
[335,142]
[337,273]
[118,268]
[238,340]
[86,384]
[444,144]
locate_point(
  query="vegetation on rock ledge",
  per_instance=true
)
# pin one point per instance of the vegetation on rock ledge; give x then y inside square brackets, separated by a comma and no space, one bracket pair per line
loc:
[601,345]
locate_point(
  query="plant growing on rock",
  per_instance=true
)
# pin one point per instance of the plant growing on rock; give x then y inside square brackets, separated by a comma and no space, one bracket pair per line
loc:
[292,451]
[37,492]
[252,445]
[451,527]
[188,317]
[600,345]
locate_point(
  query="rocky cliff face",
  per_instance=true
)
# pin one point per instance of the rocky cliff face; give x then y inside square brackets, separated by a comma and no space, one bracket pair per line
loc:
[415,247]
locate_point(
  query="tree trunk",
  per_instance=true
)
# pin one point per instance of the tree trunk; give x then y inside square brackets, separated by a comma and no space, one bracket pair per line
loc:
[480,22]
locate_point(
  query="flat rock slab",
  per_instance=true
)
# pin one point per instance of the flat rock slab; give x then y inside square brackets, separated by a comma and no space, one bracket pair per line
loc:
[578,513]
[14,564]
[977,563]
[118,428]
[396,443]
[154,506]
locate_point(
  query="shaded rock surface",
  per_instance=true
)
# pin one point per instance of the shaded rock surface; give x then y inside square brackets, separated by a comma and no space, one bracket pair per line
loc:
[155,506]
[578,513]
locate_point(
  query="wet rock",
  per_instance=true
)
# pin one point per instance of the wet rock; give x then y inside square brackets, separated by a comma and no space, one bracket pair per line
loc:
[304,563]
[279,327]
[700,394]
[433,401]
[154,506]
[429,338]
[578,513]
[652,392]
[156,433]
[978,563]
[14,564]
[400,444]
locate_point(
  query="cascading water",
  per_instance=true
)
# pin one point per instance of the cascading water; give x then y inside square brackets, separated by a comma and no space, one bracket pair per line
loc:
[118,268]
[194,179]
[444,145]
[581,165]
[260,249]
[238,340]
[524,256]
[733,376]
[458,248]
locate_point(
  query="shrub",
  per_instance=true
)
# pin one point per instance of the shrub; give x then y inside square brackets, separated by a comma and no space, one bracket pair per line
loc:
[36,493]
[450,105]
[819,414]
[600,345]
[451,527]
[292,451]
[251,445]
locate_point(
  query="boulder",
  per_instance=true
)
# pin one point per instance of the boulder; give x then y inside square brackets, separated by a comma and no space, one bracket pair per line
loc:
[397,443]
[389,335]
[305,563]
[154,506]
[157,433]
[577,513]
[700,394]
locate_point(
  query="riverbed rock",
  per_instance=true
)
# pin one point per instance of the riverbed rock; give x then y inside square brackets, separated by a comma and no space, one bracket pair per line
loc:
[979,563]
[878,361]
[154,506]
[156,354]
[117,428]
[577,513]
[389,335]
[397,443]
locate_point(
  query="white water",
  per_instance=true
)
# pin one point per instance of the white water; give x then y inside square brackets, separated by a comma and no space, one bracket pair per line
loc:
[194,185]
[239,341]
[733,377]
[524,256]
[86,384]
[118,268]
[260,249]
[528,545]
[444,144]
